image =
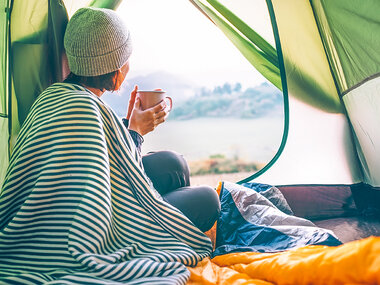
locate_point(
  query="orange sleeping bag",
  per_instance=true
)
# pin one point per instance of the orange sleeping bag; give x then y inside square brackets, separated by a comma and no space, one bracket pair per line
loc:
[356,262]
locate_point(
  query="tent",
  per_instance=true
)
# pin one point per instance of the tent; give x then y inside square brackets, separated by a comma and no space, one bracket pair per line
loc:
[326,56]
[326,59]
[323,62]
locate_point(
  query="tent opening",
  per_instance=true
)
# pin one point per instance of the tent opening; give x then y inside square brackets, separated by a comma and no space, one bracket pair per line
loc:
[227,118]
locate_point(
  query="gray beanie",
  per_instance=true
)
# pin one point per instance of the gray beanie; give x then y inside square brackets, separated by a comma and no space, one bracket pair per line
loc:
[96,42]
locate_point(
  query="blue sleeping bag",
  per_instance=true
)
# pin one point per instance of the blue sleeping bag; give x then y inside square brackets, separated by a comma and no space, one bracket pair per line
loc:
[251,222]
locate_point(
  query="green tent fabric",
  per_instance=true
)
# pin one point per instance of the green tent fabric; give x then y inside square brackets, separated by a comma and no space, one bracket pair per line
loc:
[307,68]
[329,49]
[351,36]
[350,33]
[4,89]
[36,46]
[257,51]
[35,60]
[306,82]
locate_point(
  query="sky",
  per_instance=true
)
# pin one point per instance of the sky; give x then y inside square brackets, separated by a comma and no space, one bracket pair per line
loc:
[173,36]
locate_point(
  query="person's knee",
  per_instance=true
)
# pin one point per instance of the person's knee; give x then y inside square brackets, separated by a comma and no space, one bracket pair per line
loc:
[168,170]
[171,161]
[199,203]
[175,160]
[210,204]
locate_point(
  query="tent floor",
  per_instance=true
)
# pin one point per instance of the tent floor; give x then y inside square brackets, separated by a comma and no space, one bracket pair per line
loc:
[351,228]
[333,207]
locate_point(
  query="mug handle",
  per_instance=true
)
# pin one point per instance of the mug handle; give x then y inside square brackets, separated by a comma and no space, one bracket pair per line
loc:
[171,103]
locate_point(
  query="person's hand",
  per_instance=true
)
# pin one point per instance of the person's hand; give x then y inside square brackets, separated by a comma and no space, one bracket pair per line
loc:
[145,121]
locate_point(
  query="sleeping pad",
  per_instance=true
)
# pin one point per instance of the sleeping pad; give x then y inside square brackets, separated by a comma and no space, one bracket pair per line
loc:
[77,208]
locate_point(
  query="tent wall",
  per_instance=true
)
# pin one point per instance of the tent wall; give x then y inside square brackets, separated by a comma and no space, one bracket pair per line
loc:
[350,30]
[351,36]
[3,147]
[35,61]
[4,111]
[307,68]
[319,148]
[363,107]
[37,30]
[320,201]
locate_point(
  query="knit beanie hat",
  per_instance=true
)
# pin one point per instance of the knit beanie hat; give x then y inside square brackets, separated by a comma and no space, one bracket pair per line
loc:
[96,42]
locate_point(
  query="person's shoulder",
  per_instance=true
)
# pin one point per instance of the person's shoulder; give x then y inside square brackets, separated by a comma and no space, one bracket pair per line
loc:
[69,88]
[70,95]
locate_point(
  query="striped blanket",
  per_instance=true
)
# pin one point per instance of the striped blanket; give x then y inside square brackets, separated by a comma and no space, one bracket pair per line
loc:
[77,208]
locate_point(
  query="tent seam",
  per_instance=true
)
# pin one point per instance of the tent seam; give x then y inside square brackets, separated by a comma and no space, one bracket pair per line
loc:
[357,85]
[281,67]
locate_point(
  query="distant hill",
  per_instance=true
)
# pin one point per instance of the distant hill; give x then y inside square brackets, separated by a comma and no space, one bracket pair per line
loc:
[231,101]
[179,89]
[175,86]
[191,101]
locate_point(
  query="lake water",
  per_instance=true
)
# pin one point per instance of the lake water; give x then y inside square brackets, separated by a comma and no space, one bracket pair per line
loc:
[254,140]
[318,149]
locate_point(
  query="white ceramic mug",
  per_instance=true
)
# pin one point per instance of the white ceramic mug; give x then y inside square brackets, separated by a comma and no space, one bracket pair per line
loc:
[152,98]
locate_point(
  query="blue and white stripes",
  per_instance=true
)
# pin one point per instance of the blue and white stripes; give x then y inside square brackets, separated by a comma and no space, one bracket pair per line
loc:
[77,208]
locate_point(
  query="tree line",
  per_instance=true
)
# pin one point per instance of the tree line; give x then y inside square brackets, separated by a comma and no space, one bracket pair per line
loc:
[230,100]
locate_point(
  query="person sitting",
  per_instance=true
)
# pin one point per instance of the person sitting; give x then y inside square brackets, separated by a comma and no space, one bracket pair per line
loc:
[79,202]
[168,170]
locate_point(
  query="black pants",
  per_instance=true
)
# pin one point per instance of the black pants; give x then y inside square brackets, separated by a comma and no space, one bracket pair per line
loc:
[170,175]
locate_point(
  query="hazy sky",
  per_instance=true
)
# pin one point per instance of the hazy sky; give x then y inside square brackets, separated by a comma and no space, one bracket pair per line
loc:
[172,35]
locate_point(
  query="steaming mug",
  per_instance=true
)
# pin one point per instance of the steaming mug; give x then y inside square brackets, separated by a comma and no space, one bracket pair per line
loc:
[151,98]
